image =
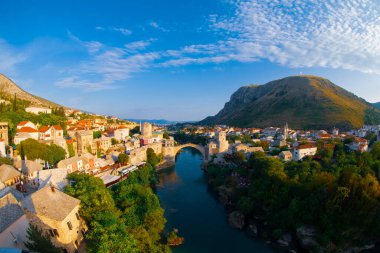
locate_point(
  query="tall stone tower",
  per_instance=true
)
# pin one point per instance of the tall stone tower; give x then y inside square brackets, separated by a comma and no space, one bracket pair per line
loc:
[222,141]
[147,130]
[286,130]
[4,132]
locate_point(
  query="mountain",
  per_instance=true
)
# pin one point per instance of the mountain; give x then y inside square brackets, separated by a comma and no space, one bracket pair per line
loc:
[376,105]
[155,121]
[8,88]
[305,102]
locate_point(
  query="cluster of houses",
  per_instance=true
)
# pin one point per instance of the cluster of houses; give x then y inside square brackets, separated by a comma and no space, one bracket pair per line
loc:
[291,144]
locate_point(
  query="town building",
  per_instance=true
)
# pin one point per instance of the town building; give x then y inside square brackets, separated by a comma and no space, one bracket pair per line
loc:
[121,134]
[84,141]
[147,130]
[286,156]
[30,169]
[13,221]
[359,145]
[301,151]
[9,175]
[4,128]
[38,110]
[56,214]
[3,151]
[217,146]
[26,124]
[71,164]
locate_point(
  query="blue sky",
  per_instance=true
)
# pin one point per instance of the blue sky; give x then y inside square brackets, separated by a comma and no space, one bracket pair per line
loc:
[181,60]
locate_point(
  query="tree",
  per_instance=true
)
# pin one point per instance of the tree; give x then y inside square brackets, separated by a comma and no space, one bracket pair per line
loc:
[6,160]
[70,148]
[14,103]
[123,158]
[166,135]
[114,141]
[97,134]
[38,242]
[152,158]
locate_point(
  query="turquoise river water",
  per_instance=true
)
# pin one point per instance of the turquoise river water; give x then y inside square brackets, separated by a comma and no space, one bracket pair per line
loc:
[194,210]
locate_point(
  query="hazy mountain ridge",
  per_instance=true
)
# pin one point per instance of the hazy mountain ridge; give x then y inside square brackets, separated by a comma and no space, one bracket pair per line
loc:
[302,101]
[376,105]
[8,88]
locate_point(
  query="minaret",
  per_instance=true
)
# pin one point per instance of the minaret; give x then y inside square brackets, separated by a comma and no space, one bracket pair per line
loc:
[286,128]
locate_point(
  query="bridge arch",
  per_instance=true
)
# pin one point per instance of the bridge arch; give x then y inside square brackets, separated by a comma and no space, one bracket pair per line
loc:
[200,148]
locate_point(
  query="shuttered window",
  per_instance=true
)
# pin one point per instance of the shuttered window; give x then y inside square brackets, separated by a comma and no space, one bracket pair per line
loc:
[70,225]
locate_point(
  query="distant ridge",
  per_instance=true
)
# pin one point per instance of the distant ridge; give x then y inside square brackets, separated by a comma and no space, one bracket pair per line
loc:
[376,105]
[8,88]
[305,102]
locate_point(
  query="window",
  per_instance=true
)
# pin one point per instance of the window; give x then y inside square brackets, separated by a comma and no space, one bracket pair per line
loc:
[77,215]
[56,232]
[70,225]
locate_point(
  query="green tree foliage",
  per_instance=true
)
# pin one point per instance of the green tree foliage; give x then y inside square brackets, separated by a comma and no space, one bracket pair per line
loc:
[70,149]
[114,141]
[166,135]
[97,134]
[183,138]
[60,111]
[127,219]
[135,130]
[6,160]
[123,158]
[38,242]
[338,195]
[152,157]
[33,149]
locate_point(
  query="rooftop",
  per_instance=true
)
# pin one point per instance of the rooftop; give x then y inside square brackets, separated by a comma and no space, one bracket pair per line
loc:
[51,203]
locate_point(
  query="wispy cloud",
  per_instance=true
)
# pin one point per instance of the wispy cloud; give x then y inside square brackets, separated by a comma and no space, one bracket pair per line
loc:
[155,25]
[107,65]
[121,30]
[304,33]
[10,57]
[336,34]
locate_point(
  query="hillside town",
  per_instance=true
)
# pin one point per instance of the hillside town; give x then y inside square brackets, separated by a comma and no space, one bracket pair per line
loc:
[32,189]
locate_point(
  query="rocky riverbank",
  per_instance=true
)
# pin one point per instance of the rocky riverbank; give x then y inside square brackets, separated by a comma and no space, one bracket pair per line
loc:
[303,239]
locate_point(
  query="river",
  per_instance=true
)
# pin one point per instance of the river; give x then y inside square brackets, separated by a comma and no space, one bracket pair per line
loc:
[193,209]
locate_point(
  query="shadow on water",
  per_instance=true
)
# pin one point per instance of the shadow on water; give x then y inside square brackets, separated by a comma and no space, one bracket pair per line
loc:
[191,207]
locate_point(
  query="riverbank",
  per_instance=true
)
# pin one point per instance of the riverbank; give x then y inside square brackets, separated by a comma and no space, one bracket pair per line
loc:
[295,208]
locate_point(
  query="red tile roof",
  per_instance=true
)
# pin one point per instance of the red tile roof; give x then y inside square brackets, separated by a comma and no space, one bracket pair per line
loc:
[27,130]
[43,129]
[57,127]
[22,123]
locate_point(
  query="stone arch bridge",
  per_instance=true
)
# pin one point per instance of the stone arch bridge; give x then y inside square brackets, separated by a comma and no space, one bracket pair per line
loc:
[171,152]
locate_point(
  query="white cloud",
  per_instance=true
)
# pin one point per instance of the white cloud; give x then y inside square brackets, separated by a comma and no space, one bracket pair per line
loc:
[10,57]
[292,33]
[106,66]
[155,25]
[335,34]
[121,30]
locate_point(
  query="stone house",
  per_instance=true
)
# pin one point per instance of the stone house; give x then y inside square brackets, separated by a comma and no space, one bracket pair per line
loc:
[13,221]
[301,151]
[286,156]
[9,175]
[57,215]
[71,164]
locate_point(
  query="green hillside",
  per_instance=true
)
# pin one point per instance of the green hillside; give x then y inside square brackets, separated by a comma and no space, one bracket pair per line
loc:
[305,102]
